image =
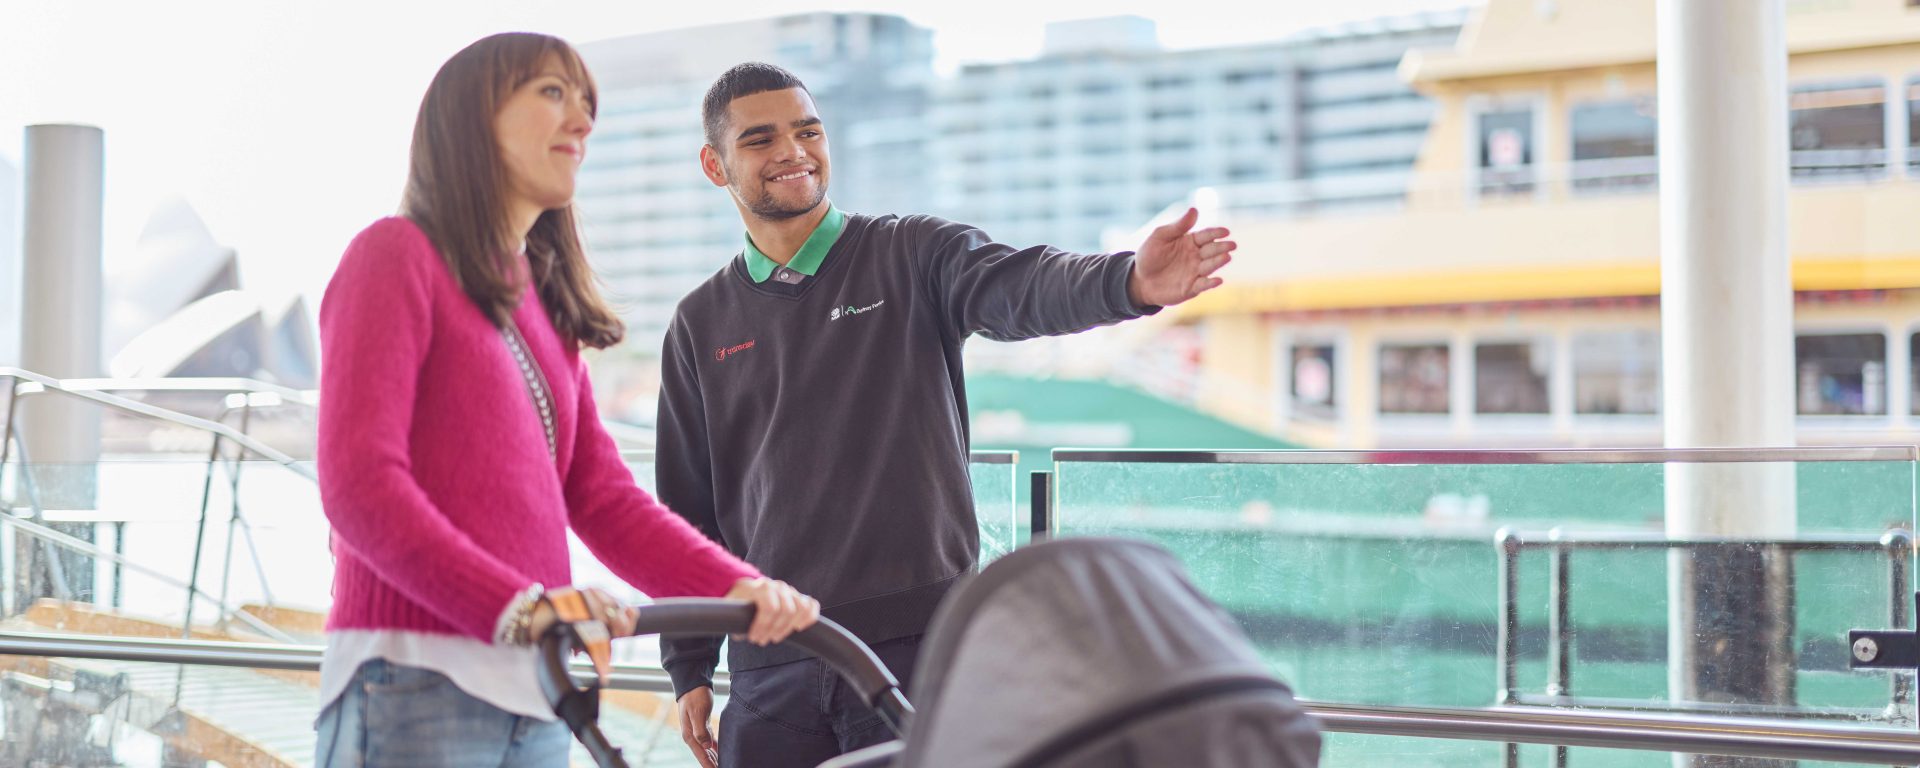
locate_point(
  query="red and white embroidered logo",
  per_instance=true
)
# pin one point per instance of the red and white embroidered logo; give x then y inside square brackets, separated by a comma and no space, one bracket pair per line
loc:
[722,353]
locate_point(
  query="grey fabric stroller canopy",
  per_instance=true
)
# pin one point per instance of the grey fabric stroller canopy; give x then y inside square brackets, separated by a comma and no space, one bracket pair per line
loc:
[1074,653]
[1097,652]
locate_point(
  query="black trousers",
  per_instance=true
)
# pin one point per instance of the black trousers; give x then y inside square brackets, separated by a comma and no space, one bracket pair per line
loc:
[802,713]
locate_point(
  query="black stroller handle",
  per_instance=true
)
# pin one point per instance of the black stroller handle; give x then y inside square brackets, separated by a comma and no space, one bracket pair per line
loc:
[832,643]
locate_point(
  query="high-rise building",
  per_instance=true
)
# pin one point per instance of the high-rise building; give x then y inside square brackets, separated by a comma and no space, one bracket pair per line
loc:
[1106,128]
[1103,130]
[655,226]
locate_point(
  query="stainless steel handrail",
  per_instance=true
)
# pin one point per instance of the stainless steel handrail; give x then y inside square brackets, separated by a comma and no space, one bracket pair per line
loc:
[973,457]
[94,390]
[1448,456]
[143,409]
[228,384]
[288,656]
[1660,733]
[1894,544]
[63,540]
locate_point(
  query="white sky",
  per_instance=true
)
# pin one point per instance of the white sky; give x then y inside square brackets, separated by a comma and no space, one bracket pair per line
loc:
[285,122]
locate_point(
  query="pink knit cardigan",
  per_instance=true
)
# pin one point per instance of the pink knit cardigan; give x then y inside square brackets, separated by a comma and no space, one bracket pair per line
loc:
[433,464]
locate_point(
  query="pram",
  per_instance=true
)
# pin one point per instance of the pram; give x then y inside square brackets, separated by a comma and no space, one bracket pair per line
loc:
[1070,653]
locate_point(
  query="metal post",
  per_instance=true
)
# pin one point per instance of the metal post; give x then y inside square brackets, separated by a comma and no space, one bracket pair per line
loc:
[28,567]
[199,539]
[1726,308]
[7,557]
[120,552]
[1898,543]
[1560,628]
[1508,544]
[1560,625]
[17,565]
[6,434]
[233,516]
[1040,524]
[1509,652]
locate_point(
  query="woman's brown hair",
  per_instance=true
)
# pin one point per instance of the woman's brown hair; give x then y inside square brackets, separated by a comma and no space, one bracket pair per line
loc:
[456,183]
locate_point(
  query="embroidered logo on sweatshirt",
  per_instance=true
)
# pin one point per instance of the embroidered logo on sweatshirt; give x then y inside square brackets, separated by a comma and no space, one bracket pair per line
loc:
[851,310]
[722,353]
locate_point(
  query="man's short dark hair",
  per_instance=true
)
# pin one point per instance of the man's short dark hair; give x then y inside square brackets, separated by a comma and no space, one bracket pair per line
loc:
[742,80]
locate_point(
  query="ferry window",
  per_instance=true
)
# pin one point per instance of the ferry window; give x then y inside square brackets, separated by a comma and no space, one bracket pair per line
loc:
[1613,144]
[1413,378]
[1505,152]
[1841,373]
[1838,129]
[1511,377]
[1913,122]
[1616,372]
[1913,369]
[1313,381]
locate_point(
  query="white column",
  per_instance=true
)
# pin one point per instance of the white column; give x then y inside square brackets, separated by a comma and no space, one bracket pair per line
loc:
[60,337]
[1726,297]
[61,281]
[1727,343]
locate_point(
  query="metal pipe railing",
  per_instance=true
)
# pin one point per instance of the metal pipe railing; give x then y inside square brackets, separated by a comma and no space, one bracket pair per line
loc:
[1895,545]
[1770,739]
[287,656]
[56,538]
[48,383]
[1448,456]
[208,384]
[23,382]
[1653,732]
[973,457]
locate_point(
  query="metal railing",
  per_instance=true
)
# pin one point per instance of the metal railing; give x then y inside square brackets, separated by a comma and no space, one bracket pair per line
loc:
[281,395]
[1448,456]
[55,538]
[1526,718]
[284,656]
[973,457]
[1046,503]
[23,383]
[26,383]
[1896,545]
[1659,733]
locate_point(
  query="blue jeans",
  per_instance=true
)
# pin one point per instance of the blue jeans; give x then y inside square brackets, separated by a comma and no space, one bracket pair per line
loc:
[801,713]
[406,716]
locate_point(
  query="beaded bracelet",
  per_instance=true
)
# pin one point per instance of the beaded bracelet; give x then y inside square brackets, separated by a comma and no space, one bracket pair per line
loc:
[515,627]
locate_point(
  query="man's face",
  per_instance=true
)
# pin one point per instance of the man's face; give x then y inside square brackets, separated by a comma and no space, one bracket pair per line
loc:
[773,154]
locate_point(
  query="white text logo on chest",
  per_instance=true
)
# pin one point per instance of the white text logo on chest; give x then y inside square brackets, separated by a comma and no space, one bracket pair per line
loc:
[851,310]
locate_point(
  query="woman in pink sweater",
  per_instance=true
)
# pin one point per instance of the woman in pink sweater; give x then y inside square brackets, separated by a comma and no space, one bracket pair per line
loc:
[459,440]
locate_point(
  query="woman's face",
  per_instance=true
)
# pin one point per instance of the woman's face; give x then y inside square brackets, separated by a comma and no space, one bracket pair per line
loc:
[542,128]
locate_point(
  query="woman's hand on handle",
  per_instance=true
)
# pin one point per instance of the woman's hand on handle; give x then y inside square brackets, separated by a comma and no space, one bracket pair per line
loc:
[779,609]
[603,607]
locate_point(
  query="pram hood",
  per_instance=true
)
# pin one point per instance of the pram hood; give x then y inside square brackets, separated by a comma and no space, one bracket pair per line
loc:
[1096,652]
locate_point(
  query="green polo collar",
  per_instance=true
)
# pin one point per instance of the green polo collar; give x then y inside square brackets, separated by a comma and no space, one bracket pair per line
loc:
[807,260]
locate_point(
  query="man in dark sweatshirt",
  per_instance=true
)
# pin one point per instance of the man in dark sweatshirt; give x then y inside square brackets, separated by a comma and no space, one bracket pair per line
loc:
[813,411]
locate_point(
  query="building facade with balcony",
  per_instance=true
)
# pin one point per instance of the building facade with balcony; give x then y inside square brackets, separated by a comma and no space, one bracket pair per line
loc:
[1511,296]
